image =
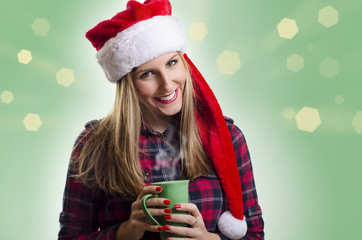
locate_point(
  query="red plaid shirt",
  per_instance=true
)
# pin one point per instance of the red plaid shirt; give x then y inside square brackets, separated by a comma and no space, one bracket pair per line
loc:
[91,214]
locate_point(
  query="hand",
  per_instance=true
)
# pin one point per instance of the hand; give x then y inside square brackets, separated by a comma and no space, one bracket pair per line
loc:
[197,229]
[138,223]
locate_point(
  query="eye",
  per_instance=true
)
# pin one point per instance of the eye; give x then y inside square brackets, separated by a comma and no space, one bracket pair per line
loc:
[172,63]
[146,74]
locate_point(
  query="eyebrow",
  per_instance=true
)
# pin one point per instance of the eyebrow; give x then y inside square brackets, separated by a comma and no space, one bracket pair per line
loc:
[136,71]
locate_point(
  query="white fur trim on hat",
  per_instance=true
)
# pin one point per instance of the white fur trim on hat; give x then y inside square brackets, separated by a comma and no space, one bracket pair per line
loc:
[140,43]
[232,227]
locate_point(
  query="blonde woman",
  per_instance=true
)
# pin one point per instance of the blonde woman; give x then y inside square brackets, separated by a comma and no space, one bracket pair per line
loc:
[165,124]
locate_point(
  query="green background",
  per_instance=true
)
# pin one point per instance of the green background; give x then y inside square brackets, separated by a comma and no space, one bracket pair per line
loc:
[309,184]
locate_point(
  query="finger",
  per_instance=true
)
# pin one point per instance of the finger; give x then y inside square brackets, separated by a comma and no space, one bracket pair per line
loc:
[158,212]
[182,231]
[139,213]
[146,190]
[155,228]
[151,202]
[188,207]
[157,202]
[146,226]
[149,189]
[178,238]
[182,218]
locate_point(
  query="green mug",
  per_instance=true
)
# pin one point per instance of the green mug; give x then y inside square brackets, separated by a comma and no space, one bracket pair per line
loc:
[177,192]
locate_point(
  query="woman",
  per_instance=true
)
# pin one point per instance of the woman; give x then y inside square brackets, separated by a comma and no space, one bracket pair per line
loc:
[165,124]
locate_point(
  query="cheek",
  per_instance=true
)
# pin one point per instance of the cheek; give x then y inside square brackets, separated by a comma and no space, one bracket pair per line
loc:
[143,89]
[181,76]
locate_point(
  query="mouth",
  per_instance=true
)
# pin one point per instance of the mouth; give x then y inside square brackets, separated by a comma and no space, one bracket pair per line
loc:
[168,98]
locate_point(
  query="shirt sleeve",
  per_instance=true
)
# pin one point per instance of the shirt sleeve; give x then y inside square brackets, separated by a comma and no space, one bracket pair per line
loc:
[252,210]
[79,217]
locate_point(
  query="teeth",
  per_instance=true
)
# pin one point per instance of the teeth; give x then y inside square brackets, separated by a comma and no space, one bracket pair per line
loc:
[168,97]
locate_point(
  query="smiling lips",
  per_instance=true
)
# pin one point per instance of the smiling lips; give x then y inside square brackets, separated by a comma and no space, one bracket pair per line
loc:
[169,98]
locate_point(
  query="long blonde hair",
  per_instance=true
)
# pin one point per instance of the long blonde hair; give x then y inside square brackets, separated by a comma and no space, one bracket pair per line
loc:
[109,158]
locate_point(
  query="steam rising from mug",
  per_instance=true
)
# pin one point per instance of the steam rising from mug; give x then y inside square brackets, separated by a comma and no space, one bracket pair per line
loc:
[168,161]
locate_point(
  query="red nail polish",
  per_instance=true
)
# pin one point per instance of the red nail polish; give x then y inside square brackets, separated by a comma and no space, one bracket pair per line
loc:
[167,202]
[177,206]
[158,189]
[160,229]
[167,217]
[167,210]
[166,227]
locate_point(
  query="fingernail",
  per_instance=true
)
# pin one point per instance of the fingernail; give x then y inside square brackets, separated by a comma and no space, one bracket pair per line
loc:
[158,189]
[167,210]
[177,206]
[167,202]
[160,229]
[166,227]
[167,217]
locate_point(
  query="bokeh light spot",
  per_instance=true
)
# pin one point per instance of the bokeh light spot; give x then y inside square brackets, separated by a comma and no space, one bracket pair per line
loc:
[65,77]
[339,99]
[288,113]
[295,63]
[329,67]
[228,62]
[7,97]
[197,31]
[40,27]
[308,119]
[24,56]
[328,16]
[32,122]
[287,28]
[357,122]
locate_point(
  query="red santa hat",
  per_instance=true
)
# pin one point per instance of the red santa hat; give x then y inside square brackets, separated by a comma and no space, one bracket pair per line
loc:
[143,32]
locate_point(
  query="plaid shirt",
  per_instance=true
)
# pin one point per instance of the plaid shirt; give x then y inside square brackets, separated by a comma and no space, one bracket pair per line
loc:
[93,215]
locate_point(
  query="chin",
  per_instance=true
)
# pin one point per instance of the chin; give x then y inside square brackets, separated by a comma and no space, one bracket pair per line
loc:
[170,113]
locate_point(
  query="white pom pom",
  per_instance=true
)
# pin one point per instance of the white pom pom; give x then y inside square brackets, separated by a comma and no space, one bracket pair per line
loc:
[232,227]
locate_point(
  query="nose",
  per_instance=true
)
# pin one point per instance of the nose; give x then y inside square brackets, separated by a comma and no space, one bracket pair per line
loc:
[165,81]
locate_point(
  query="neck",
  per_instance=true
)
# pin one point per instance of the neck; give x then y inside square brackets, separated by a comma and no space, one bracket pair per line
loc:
[156,122]
[159,122]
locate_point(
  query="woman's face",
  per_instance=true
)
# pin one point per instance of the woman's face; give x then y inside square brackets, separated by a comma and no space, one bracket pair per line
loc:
[160,83]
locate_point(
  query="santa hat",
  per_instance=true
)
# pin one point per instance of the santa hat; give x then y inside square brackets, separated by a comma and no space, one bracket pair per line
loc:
[143,32]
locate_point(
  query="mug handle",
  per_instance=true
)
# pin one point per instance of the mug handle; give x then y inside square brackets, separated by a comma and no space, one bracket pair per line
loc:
[145,210]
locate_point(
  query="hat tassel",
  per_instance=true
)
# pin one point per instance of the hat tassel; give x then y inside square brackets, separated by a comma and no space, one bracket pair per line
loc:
[232,227]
